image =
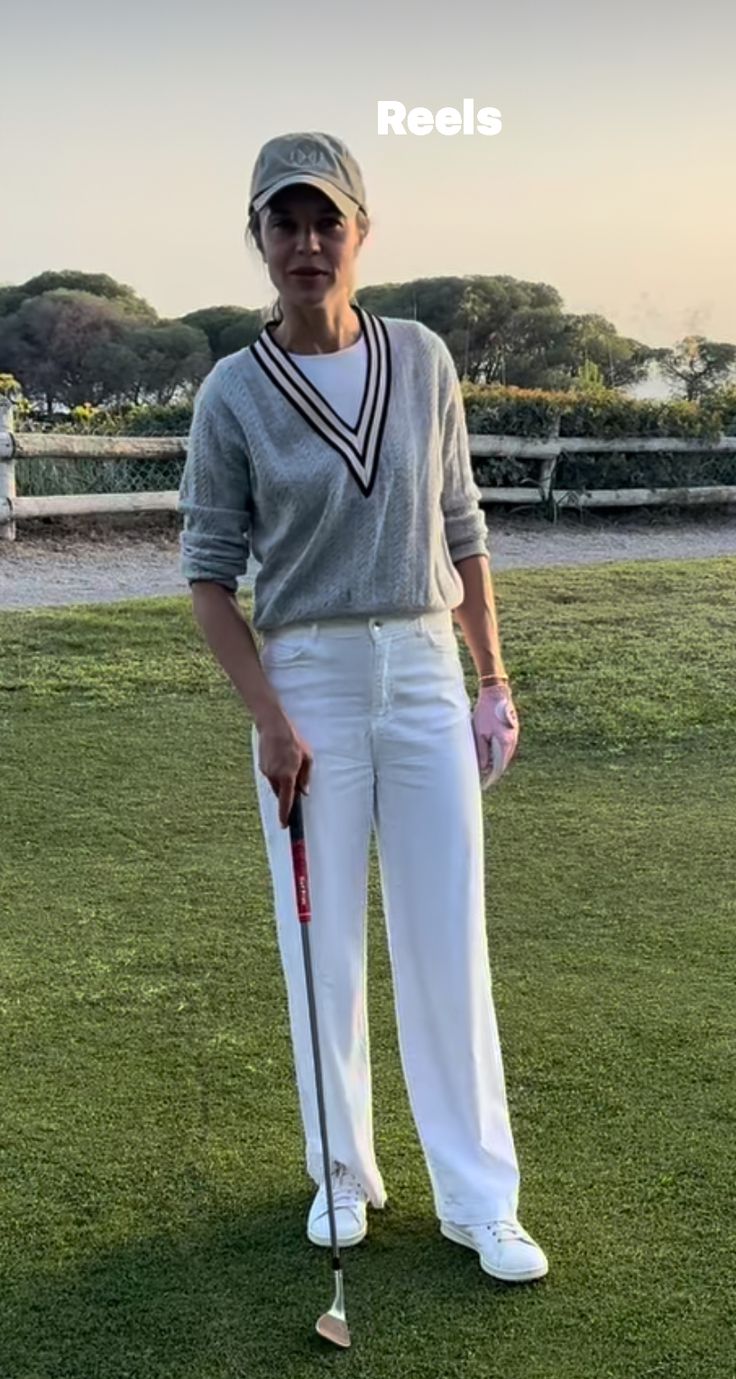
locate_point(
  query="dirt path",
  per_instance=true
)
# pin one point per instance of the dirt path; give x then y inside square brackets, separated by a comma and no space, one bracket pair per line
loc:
[47,570]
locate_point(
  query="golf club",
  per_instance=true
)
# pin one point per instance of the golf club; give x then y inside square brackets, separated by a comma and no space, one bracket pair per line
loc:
[332,1324]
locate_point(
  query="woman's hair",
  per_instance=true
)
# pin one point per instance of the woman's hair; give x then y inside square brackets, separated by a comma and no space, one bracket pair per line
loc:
[274,313]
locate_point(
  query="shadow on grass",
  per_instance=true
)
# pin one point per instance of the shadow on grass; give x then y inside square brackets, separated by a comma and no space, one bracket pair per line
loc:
[242,1295]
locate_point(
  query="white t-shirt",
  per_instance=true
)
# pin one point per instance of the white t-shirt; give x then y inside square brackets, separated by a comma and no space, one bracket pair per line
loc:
[338,376]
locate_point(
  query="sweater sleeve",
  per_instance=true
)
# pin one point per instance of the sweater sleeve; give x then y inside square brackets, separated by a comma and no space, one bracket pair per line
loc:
[214,493]
[465,523]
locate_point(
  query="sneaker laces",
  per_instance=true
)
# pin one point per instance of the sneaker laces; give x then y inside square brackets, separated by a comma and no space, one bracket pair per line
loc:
[346,1190]
[505,1229]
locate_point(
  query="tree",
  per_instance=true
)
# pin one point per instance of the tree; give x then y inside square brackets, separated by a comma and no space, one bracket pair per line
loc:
[173,359]
[71,347]
[97,284]
[228,328]
[697,365]
[505,330]
[74,338]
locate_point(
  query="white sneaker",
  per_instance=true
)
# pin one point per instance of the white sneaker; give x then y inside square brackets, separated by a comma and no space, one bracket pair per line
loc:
[350,1210]
[506,1250]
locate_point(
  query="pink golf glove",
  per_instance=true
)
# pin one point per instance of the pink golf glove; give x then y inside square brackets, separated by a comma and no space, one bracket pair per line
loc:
[496,730]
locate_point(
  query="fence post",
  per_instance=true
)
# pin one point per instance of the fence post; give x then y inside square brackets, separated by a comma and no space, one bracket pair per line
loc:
[547,473]
[7,467]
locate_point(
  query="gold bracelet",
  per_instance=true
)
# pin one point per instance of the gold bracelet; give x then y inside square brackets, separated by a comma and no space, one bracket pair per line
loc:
[493,678]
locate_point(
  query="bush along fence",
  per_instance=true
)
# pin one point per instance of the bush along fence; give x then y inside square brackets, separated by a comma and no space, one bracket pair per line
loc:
[586,448]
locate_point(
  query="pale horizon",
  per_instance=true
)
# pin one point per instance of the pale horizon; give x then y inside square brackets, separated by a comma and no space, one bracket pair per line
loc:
[132,136]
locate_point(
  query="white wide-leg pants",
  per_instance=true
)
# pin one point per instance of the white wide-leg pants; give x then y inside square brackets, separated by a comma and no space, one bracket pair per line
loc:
[383,705]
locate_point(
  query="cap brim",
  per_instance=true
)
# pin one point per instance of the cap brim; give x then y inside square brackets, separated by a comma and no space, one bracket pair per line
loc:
[344,203]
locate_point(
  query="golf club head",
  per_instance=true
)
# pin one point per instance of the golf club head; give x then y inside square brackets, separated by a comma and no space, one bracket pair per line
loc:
[333,1324]
[334,1328]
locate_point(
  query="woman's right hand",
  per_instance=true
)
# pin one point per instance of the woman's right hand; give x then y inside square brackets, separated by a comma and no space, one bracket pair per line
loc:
[285,760]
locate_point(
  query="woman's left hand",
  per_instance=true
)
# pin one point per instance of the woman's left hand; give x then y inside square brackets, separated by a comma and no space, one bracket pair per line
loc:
[496,731]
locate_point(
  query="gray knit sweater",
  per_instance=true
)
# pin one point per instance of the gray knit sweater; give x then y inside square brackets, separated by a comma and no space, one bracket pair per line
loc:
[345,521]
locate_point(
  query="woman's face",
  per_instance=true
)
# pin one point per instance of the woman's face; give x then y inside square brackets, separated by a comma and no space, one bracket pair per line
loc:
[301,228]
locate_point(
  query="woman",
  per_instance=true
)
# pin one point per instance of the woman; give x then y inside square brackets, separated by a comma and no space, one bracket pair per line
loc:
[335,447]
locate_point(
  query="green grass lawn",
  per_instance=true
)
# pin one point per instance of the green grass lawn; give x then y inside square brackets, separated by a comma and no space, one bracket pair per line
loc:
[153,1195]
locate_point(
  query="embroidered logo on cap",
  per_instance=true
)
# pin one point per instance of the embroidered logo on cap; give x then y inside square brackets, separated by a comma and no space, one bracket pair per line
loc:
[305,154]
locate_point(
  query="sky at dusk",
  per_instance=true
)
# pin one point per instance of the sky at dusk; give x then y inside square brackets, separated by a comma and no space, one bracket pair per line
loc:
[130,132]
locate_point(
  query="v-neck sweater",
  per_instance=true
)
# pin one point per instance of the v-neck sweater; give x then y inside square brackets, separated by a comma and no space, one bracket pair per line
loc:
[345,520]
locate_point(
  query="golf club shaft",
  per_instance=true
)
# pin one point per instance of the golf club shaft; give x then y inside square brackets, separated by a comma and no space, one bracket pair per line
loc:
[301,882]
[320,1092]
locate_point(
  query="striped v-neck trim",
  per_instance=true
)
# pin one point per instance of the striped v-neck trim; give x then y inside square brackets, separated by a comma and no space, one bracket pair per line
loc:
[359,445]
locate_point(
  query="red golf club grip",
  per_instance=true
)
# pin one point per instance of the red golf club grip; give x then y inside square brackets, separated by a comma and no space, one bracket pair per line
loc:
[299,857]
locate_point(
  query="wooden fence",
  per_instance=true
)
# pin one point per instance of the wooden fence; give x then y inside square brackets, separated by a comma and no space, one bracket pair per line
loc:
[61,446]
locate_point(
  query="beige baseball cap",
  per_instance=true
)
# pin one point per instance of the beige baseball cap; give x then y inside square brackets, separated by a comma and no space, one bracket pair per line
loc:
[320,160]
